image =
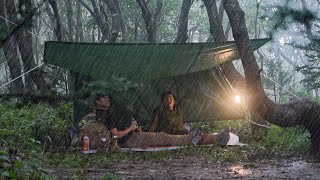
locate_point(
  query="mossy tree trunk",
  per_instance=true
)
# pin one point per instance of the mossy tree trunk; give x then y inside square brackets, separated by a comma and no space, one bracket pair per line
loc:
[302,112]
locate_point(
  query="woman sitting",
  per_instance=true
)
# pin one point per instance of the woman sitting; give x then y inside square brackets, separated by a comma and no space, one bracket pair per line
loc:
[168,118]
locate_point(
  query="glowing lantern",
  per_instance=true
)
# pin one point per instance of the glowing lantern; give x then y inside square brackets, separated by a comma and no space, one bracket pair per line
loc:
[237,98]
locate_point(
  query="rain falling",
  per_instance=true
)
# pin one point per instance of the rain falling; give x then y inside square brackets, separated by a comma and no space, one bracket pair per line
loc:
[176,89]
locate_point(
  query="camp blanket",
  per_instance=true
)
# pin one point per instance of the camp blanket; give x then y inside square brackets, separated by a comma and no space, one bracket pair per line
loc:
[234,141]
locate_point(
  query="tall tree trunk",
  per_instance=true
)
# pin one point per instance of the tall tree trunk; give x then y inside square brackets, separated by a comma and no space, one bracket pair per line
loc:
[70,19]
[52,23]
[95,13]
[24,40]
[302,112]
[221,11]
[256,32]
[58,31]
[115,25]
[124,31]
[216,29]
[217,35]
[92,33]
[136,26]
[12,59]
[227,31]
[75,83]
[10,52]
[150,19]
[20,39]
[69,76]
[191,32]
[182,35]
[37,40]
[294,64]
[57,20]
[100,21]
[228,69]
[103,11]
[79,31]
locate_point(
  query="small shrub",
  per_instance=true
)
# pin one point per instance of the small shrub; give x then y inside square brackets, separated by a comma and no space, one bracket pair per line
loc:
[110,176]
[289,139]
[12,167]
[34,126]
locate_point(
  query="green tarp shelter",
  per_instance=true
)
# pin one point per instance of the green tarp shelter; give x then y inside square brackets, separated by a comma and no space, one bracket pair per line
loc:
[189,69]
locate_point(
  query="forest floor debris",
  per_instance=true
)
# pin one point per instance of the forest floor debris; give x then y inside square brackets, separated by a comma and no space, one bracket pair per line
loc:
[200,167]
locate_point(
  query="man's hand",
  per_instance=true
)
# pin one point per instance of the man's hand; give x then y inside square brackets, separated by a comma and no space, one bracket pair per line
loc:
[134,125]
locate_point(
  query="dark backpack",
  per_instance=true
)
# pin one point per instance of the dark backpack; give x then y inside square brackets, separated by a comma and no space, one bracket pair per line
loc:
[97,132]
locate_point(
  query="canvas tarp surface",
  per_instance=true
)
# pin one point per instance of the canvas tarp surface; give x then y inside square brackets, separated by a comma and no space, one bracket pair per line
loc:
[140,62]
[189,70]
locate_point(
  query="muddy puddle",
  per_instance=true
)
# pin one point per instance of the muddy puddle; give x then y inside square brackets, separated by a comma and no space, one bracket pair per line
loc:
[201,168]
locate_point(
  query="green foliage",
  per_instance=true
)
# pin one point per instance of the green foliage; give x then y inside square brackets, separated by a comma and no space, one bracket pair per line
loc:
[168,21]
[100,160]
[110,176]
[12,167]
[34,126]
[287,139]
[279,142]
[285,15]
[27,131]
[199,23]
[275,70]
[24,124]
[311,69]
[278,138]
[115,85]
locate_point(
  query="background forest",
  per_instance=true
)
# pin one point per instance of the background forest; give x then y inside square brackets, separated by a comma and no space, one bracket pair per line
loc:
[289,61]
[31,125]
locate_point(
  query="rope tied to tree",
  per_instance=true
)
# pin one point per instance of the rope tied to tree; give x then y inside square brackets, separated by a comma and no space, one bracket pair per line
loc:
[20,76]
[30,69]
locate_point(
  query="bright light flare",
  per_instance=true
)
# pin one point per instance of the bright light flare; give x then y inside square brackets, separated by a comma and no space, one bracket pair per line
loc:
[237,98]
[282,41]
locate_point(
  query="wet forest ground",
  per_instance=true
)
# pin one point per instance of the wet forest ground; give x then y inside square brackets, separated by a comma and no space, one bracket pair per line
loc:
[33,146]
[189,163]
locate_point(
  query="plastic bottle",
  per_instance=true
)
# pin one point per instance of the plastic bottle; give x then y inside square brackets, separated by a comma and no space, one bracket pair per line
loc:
[86,142]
